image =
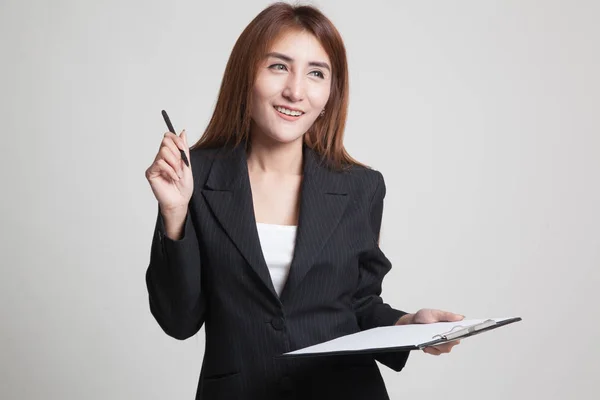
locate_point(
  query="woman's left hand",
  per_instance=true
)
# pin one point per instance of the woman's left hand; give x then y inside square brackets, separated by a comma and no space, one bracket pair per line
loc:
[429,316]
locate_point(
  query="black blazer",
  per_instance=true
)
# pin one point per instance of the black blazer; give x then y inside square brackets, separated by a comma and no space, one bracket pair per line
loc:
[216,275]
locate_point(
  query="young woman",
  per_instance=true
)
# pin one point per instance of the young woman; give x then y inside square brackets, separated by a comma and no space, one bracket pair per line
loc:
[270,237]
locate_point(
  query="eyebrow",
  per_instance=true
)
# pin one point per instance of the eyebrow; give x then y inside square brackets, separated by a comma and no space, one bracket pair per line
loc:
[290,59]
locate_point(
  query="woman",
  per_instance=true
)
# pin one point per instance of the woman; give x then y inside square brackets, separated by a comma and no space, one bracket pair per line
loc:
[270,237]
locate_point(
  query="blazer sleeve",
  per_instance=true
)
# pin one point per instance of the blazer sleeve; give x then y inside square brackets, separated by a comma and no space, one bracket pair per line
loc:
[371,311]
[173,280]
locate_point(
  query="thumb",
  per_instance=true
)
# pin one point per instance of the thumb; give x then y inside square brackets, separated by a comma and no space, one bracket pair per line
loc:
[449,316]
[184,137]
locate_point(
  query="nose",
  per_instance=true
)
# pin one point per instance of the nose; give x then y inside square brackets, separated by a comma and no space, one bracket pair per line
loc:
[294,88]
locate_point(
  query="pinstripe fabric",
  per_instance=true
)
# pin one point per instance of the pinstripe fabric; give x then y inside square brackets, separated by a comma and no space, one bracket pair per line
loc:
[216,275]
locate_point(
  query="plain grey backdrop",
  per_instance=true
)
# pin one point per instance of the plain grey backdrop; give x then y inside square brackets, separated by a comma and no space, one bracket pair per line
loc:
[483,117]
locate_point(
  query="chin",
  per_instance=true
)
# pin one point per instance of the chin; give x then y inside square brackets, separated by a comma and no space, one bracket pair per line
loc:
[279,132]
[285,138]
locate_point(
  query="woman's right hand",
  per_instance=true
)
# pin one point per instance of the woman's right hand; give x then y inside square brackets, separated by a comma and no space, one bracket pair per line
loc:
[170,179]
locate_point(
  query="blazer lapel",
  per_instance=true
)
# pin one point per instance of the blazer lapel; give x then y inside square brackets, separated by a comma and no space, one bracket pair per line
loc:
[229,195]
[323,200]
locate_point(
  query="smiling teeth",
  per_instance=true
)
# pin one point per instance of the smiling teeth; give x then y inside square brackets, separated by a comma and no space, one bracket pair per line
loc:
[288,112]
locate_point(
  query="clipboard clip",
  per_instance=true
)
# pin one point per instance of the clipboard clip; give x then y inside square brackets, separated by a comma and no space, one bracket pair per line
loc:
[452,334]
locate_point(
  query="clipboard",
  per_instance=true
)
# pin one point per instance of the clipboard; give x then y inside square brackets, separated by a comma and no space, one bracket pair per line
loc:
[400,338]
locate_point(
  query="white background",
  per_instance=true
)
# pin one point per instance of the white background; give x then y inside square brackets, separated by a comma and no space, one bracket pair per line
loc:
[482,116]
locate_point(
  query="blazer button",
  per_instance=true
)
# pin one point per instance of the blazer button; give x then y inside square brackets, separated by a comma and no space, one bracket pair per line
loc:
[278,323]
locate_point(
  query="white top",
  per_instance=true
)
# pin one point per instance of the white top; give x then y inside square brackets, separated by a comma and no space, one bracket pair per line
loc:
[277,242]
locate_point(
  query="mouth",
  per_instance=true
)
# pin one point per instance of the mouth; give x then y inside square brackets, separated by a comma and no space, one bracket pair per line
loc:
[287,113]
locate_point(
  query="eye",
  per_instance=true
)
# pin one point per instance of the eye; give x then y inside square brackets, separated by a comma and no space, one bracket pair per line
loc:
[320,74]
[274,66]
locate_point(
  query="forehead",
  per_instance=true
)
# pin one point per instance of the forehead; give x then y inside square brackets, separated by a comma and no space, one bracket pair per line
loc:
[299,45]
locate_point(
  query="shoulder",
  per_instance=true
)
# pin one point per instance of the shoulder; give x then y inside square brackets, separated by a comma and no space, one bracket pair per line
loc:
[365,182]
[365,178]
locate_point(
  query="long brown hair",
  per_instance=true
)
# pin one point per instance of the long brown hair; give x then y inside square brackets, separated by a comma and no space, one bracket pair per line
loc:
[230,122]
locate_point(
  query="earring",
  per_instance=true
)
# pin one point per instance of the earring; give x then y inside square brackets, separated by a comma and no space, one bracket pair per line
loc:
[322,112]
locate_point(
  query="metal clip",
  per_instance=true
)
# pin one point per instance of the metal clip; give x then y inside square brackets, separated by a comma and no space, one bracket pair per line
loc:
[451,334]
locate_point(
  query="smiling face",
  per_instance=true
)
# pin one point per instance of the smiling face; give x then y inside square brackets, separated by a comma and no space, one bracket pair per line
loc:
[291,89]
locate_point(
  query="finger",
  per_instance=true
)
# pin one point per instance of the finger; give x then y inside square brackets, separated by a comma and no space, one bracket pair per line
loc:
[445,348]
[173,160]
[447,316]
[168,142]
[186,146]
[432,351]
[178,141]
[166,169]
[183,137]
[186,149]
[161,168]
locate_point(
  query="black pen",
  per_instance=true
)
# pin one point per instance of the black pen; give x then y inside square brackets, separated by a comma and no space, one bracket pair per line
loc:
[171,129]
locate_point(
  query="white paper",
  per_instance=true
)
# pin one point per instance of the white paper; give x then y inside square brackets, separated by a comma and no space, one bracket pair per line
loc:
[389,336]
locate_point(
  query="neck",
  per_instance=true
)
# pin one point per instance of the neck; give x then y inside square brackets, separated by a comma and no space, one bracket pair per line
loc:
[268,155]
